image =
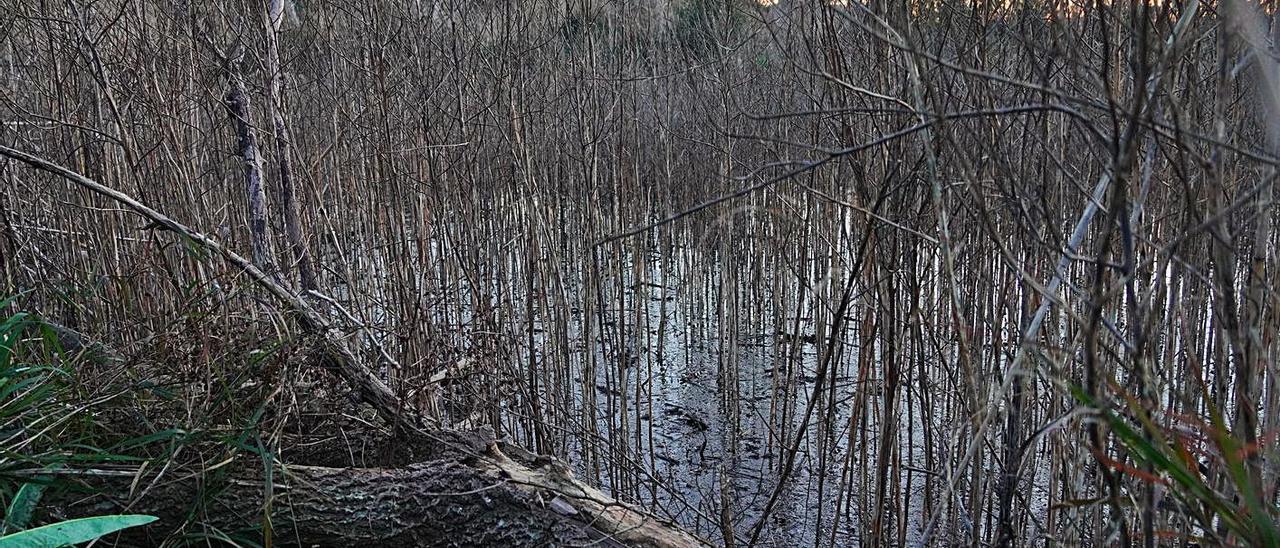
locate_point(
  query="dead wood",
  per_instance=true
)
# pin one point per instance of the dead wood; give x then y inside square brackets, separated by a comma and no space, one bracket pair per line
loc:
[487,500]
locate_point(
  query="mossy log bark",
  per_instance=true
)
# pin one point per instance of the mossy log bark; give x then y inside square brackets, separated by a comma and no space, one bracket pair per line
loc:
[483,500]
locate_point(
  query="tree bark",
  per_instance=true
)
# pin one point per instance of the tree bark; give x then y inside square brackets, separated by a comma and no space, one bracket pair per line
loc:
[293,231]
[486,501]
[238,105]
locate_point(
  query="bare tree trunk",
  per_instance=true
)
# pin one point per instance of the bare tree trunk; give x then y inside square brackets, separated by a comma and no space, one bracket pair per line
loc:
[8,237]
[238,105]
[284,148]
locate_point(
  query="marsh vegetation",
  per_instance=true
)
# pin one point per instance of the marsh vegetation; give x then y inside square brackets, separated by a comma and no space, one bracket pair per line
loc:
[642,272]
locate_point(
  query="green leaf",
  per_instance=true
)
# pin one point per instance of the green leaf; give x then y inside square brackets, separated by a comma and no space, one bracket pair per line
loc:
[163,435]
[23,505]
[9,300]
[72,531]
[10,334]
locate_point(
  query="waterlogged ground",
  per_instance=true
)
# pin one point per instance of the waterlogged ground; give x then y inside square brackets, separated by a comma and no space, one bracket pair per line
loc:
[703,436]
[709,400]
[690,440]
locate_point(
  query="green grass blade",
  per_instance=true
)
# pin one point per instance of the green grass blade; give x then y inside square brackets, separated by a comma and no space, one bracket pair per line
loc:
[22,507]
[72,531]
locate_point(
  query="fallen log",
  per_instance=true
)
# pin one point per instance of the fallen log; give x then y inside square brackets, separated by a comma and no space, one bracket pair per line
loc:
[440,503]
[617,520]
[489,501]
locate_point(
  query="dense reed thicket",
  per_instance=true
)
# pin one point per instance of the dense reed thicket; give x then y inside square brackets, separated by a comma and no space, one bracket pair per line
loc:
[824,272]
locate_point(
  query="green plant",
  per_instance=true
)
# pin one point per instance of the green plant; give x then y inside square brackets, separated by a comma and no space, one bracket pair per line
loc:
[34,428]
[23,506]
[73,531]
[1164,457]
[34,424]
[63,533]
[701,24]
